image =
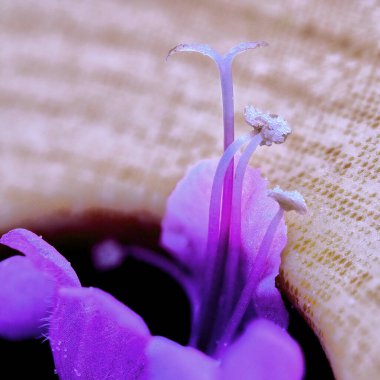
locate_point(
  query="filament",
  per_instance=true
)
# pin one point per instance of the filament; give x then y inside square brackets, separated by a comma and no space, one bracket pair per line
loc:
[254,278]
[213,269]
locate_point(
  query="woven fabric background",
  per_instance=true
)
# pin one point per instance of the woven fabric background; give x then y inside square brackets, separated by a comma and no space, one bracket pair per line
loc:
[91,117]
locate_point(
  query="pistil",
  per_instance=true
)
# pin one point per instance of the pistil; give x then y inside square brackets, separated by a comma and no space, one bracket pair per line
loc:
[288,201]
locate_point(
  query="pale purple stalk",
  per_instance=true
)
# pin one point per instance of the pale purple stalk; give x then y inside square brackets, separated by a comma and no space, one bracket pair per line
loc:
[213,267]
[225,70]
[231,265]
[235,230]
[224,64]
[216,193]
[254,277]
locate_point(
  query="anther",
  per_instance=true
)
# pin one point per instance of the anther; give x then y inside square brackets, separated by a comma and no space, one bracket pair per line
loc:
[289,200]
[271,127]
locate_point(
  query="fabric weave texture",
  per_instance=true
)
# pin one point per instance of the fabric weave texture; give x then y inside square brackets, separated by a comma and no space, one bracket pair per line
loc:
[91,117]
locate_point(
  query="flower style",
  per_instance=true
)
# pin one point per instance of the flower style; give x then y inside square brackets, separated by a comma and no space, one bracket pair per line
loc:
[225,235]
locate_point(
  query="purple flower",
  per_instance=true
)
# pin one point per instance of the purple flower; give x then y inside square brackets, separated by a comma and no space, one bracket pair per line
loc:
[94,336]
[30,284]
[225,235]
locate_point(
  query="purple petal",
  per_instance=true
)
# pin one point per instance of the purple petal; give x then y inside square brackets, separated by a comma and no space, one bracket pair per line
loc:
[264,352]
[184,231]
[26,294]
[43,255]
[269,304]
[258,210]
[94,336]
[170,361]
[184,226]
[29,284]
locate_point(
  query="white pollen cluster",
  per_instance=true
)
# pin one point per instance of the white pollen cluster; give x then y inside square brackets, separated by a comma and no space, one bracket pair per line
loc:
[289,200]
[273,128]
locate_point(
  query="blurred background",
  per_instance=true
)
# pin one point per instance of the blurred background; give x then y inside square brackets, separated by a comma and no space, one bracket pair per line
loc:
[93,120]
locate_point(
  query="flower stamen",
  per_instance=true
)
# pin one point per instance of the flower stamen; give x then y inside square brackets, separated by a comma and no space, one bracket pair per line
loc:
[234,244]
[214,265]
[220,287]
[288,201]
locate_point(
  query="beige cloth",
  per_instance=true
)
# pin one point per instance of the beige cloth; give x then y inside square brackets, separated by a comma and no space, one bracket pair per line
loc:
[92,117]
